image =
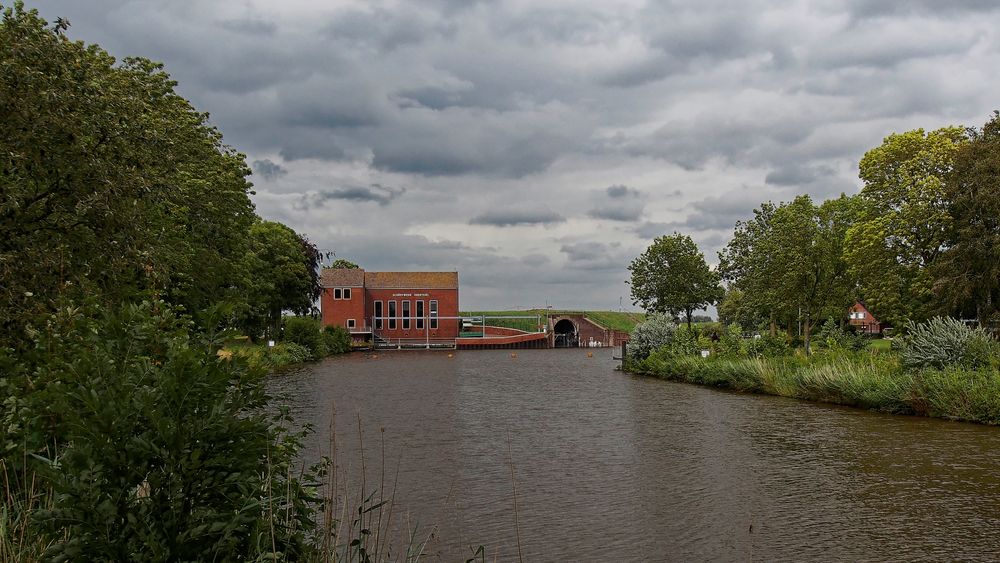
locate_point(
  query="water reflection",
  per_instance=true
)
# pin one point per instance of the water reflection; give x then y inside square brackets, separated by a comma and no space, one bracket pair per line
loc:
[614,467]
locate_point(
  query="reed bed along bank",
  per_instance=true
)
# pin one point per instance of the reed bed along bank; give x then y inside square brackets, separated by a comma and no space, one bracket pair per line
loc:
[869,379]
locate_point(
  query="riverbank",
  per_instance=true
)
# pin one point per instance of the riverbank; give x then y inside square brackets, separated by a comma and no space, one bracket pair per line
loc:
[305,340]
[870,379]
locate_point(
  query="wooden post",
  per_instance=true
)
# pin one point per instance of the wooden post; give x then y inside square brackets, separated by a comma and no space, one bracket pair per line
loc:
[624,355]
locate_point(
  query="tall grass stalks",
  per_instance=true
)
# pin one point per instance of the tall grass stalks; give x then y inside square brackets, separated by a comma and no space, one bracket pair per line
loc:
[865,379]
[21,498]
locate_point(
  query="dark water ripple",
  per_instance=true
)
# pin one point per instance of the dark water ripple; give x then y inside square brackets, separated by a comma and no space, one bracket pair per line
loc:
[611,467]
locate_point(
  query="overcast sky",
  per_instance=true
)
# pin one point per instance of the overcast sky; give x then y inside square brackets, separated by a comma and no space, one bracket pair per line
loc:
[537,147]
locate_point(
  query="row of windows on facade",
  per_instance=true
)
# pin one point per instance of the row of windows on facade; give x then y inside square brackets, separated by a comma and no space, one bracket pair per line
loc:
[344,293]
[858,315]
[381,319]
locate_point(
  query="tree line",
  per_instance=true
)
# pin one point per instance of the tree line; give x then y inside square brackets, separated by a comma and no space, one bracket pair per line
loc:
[920,239]
[130,251]
[114,187]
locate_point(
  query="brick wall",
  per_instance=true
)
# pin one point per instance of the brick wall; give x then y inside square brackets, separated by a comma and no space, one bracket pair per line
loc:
[447,307]
[336,312]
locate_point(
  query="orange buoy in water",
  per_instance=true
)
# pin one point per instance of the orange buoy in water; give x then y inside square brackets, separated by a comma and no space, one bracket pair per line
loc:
[590,354]
[450,355]
[513,354]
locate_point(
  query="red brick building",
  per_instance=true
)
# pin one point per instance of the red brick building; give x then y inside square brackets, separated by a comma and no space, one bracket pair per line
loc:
[391,306]
[862,319]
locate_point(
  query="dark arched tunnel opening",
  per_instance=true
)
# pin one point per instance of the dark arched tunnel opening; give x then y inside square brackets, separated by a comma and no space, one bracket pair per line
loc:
[565,334]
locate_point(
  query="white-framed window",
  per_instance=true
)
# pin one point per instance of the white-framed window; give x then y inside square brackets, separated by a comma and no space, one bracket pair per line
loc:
[351,323]
[392,315]
[347,293]
[338,293]
[420,315]
[406,314]
[861,314]
[434,314]
[378,315]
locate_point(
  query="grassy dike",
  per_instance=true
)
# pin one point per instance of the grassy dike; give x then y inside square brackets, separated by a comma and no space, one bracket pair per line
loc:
[869,379]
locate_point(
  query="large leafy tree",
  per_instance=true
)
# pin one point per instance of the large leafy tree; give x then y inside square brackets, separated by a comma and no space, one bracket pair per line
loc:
[806,247]
[671,276]
[968,272]
[903,221]
[285,268]
[745,265]
[786,263]
[110,183]
[733,309]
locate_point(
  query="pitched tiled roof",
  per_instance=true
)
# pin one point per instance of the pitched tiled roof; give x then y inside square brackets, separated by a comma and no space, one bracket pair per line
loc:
[411,280]
[342,277]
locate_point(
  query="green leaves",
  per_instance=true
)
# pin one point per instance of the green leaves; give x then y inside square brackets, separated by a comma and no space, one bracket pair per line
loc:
[671,276]
[903,221]
[967,275]
[164,450]
[284,274]
[112,184]
[786,263]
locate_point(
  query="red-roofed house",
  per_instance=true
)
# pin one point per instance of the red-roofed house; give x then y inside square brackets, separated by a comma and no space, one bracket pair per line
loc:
[862,320]
[391,306]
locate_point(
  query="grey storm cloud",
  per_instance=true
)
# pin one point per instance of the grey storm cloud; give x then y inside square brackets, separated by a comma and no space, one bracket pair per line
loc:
[876,8]
[254,27]
[617,213]
[268,169]
[504,111]
[618,203]
[720,213]
[798,175]
[517,217]
[595,256]
[620,191]
[375,193]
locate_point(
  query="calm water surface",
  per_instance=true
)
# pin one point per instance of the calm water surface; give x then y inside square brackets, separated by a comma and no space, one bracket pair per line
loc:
[612,467]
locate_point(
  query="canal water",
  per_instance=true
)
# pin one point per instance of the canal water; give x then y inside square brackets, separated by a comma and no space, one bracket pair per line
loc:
[613,467]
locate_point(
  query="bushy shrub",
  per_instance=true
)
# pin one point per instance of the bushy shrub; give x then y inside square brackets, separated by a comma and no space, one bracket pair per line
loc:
[712,331]
[155,447]
[833,337]
[688,342]
[288,353]
[305,331]
[337,339]
[656,331]
[942,342]
[767,346]
[730,343]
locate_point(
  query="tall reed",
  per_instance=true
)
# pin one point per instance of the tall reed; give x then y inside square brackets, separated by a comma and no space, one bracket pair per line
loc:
[866,379]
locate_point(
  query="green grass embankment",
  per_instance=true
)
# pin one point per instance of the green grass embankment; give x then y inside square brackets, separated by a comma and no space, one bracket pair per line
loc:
[615,320]
[870,379]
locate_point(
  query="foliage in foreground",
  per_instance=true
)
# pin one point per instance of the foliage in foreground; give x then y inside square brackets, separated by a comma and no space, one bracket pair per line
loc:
[151,445]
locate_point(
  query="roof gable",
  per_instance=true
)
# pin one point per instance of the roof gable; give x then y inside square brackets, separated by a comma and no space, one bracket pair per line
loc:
[342,277]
